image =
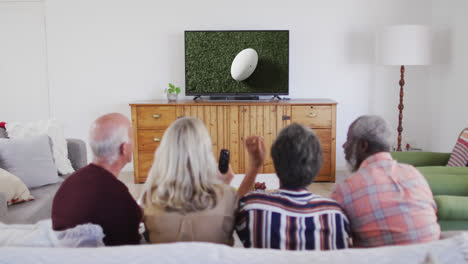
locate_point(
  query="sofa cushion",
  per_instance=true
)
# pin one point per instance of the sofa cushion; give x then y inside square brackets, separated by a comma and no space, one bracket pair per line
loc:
[453,225]
[30,159]
[54,130]
[420,158]
[31,212]
[14,189]
[452,207]
[446,180]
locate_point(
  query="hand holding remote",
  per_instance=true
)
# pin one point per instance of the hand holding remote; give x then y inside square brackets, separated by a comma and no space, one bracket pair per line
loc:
[224,167]
[226,177]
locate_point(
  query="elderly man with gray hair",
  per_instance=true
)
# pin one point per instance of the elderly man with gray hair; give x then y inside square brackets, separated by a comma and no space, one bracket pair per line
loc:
[387,203]
[93,194]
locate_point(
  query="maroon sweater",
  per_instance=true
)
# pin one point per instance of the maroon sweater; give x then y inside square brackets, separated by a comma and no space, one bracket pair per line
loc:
[93,195]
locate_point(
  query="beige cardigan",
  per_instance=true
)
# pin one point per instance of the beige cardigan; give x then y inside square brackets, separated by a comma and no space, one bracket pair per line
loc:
[210,225]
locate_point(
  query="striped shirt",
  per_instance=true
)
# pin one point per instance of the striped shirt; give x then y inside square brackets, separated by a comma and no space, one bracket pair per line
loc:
[293,219]
[388,204]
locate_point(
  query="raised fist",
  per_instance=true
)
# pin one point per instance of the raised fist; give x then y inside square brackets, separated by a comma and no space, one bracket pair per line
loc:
[256,149]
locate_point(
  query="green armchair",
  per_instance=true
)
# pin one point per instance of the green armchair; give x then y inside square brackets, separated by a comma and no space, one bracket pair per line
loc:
[448,184]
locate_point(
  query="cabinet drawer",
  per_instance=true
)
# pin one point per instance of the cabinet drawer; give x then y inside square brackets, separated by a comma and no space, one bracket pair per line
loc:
[155,117]
[312,116]
[149,140]
[145,161]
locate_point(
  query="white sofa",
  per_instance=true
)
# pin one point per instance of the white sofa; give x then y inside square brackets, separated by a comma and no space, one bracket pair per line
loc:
[450,250]
[38,243]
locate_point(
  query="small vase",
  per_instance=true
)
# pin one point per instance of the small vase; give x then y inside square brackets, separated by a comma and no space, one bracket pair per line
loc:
[172,97]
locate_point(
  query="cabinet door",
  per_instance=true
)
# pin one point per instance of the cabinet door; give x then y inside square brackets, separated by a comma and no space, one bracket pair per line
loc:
[321,120]
[265,121]
[222,125]
[145,162]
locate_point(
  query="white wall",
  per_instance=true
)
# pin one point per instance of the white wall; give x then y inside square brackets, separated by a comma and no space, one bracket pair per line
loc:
[23,77]
[103,54]
[446,106]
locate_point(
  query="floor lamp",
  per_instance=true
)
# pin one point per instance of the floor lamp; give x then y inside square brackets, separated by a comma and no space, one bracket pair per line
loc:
[404,45]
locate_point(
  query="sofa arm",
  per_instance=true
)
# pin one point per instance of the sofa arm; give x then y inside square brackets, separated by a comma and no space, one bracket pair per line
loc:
[420,159]
[77,153]
[3,206]
[3,133]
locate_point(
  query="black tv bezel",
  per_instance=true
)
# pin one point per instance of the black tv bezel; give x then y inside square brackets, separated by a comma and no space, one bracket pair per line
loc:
[231,94]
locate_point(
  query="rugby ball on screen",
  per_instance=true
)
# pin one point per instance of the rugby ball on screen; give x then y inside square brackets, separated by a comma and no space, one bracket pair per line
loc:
[244,64]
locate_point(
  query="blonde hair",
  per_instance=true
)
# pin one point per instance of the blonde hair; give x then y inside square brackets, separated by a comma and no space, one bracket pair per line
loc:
[183,175]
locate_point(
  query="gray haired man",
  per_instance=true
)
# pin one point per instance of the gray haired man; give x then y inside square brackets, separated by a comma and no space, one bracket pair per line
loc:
[387,203]
[93,194]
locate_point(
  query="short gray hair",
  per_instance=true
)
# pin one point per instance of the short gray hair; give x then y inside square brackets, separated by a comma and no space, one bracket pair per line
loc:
[108,148]
[297,156]
[375,130]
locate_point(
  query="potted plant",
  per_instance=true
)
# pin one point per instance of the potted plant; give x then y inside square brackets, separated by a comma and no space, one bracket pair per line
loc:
[172,92]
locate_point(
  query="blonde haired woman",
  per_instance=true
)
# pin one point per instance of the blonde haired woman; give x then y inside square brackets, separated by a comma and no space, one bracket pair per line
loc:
[184,198]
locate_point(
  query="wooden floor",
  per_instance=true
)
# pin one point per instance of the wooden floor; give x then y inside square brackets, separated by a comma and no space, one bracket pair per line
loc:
[321,188]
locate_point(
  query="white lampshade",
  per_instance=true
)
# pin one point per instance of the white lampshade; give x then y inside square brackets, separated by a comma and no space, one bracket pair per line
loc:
[405,45]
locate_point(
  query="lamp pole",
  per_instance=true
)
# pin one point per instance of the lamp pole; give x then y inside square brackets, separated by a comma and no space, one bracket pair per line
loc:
[403,45]
[401,106]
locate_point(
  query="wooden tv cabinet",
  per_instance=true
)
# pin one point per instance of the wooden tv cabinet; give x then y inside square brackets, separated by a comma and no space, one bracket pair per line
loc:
[229,123]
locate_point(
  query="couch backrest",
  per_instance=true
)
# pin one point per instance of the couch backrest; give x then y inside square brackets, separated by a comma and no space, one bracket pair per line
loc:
[3,133]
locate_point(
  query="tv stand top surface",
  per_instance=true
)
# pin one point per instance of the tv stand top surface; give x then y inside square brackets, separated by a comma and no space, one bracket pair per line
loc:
[238,102]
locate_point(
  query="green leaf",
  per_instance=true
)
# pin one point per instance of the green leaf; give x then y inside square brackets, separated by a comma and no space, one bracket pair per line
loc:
[171,85]
[177,89]
[171,90]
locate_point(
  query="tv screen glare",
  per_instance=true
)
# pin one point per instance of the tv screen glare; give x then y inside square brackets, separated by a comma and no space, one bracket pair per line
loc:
[209,56]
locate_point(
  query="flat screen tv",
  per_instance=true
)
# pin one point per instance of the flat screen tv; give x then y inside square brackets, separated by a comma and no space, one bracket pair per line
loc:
[210,54]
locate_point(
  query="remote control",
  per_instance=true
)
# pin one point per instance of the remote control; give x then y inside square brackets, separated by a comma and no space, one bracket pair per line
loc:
[223,161]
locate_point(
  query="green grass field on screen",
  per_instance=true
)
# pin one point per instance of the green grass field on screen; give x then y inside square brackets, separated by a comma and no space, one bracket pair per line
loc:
[209,55]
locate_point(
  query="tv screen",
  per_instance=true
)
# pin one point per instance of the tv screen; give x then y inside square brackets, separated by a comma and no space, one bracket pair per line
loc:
[210,54]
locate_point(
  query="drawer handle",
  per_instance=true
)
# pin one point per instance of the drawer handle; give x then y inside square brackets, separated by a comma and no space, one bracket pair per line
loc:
[312,115]
[156,139]
[156,115]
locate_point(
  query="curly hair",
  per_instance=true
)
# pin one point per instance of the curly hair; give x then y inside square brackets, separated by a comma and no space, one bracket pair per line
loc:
[297,156]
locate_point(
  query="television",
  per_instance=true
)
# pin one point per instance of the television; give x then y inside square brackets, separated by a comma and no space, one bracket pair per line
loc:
[209,56]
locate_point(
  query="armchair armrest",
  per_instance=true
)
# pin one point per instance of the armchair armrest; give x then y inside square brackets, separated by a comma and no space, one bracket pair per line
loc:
[77,153]
[420,159]
[3,206]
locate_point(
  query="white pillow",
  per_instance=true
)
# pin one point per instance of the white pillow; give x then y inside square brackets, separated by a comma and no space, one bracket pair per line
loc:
[54,130]
[13,188]
[30,159]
